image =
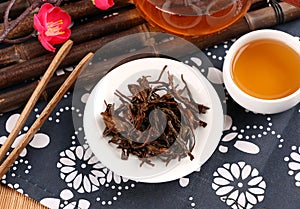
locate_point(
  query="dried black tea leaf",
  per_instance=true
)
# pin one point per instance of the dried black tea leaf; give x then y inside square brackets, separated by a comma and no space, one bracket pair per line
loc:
[157,120]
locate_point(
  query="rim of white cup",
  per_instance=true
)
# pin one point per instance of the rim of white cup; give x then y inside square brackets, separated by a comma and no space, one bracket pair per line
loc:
[239,95]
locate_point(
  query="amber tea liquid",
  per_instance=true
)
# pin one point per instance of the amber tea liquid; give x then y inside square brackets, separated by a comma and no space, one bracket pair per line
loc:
[197,18]
[267,69]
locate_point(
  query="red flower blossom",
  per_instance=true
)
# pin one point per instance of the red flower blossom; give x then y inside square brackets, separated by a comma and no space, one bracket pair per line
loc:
[103,4]
[52,25]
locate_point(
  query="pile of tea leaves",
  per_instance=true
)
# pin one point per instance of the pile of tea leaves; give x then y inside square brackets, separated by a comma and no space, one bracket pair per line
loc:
[157,120]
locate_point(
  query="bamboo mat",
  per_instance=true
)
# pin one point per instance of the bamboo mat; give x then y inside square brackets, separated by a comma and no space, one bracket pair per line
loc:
[11,199]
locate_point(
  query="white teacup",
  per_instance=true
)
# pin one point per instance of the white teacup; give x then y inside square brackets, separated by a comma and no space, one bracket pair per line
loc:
[255,104]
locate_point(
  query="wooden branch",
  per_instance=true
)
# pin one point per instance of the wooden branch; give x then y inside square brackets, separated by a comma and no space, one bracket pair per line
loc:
[259,19]
[18,8]
[33,68]
[82,33]
[258,4]
[88,31]
[76,10]
[25,51]
[12,100]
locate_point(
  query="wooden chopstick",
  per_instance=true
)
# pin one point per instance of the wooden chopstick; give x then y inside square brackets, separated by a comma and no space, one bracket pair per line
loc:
[45,114]
[59,57]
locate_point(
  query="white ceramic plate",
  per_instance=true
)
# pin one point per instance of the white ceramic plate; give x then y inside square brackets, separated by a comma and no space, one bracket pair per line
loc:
[207,138]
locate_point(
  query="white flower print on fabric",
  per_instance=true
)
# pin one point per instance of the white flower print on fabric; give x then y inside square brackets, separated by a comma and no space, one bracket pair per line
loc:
[184,182]
[82,171]
[242,145]
[16,187]
[214,52]
[239,185]
[39,141]
[294,164]
[65,201]
[112,176]
[197,61]
[215,75]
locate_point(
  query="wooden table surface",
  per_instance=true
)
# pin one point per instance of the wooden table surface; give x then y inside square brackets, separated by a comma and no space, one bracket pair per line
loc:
[11,199]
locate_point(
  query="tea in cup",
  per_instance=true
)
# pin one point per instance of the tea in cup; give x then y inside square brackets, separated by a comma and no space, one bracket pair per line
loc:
[262,71]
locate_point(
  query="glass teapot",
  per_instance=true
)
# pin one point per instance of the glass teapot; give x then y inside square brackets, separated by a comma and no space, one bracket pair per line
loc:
[192,17]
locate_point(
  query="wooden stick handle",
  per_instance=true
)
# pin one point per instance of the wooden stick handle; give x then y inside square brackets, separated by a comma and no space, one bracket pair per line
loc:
[61,54]
[45,114]
[267,16]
